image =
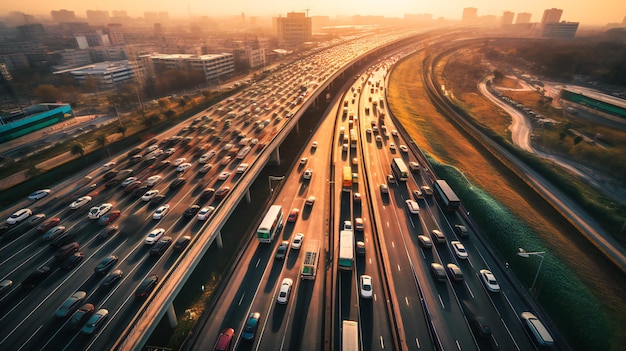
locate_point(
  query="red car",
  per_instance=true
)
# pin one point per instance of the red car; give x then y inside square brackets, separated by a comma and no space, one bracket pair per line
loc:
[109,217]
[132,186]
[49,224]
[222,192]
[293,215]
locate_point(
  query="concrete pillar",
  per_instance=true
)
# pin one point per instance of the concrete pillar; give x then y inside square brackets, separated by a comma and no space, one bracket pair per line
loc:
[248,198]
[276,156]
[171,316]
[218,240]
[298,127]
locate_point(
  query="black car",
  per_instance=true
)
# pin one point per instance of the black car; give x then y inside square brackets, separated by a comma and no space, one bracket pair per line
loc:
[5,286]
[66,251]
[140,191]
[36,277]
[182,242]
[109,175]
[134,152]
[177,183]
[64,238]
[207,193]
[112,278]
[106,264]
[157,199]
[163,164]
[108,231]
[72,261]
[191,211]
[161,246]
[80,316]
[146,286]
[112,183]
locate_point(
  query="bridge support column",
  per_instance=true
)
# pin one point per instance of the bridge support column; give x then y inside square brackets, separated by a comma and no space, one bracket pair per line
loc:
[276,156]
[248,198]
[171,316]
[218,240]
[298,128]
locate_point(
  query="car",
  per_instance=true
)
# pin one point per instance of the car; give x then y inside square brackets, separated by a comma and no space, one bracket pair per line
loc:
[146,286]
[384,189]
[461,230]
[355,160]
[191,211]
[53,232]
[414,166]
[360,248]
[391,179]
[222,192]
[392,146]
[309,201]
[95,321]
[454,272]
[489,280]
[357,197]
[394,133]
[345,147]
[368,130]
[107,166]
[480,326]
[72,261]
[136,158]
[64,238]
[109,175]
[179,161]
[359,224]
[31,222]
[183,167]
[112,278]
[303,161]
[314,145]
[296,243]
[224,340]
[98,211]
[158,199]
[347,225]
[427,190]
[80,316]
[170,151]
[308,173]
[127,181]
[438,236]
[182,242]
[106,264]
[70,304]
[5,286]
[459,249]
[293,215]
[153,180]
[438,272]
[206,157]
[161,246]
[404,148]
[241,168]
[112,183]
[285,291]
[36,277]
[412,206]
[154,236]
[48,224]
[176,183]
[425,241]
[225,160]
[66,251]
[80,202]
[204,213]
[161,212]
[19,216]
[379,139]
[109,217]
[39,194]
[417,194]
[375,129]
[149,195]
[223,176]
[249,329]
[163,164]
[206,168]
[207,193]
[108,231]
[281,252]
[366,286]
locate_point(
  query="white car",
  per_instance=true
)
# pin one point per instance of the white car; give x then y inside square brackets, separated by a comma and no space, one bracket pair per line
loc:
[489,280]
[205,212]
[99,211]
[392,146]
[394,132]
[179,161]
[366,286]
[170,151]
[39,194]
[19,216]
[296,244]
[285,291]
[308,173]
[310,201]
[127,181]
[183,167]
[152,181]
[412,206]
[314,145]
[206,168]
[459,249]
[206,157]
[303,161]
[225,160]
[108,165]
[149,195]
[80,202]
[154,236]
[223,176]
[404,148]
[242,168]
[161,212]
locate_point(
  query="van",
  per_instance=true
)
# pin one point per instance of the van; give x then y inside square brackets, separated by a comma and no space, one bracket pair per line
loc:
[537,329]
[224,340]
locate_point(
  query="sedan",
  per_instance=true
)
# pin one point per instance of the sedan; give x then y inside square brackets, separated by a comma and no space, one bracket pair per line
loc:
[293,215]
[425,241]
[223,176]
[106,264]
[285,291]
[48,224]
[132,186]
[99,211]
[154,236]
[108,231]
[127,181]
[112,278]
[222,192]
[146,286]
[161,212]
[183,167]
[176,183]
[80,316]
[179,161]
[191,211]
[158,199]
[19,216]
[152,181]
[39,194]
[206,168]
[80,202]
[249,329]
[207,193]
[72,261]
[308,173]
[454,272]
[489,280]
[459,249]
[52,233]
[366,286]
[71,304]
[310,201]
[404,148]
[149,195]
[32,221]
[281,252]
[161,246]
[205,212]
[95,321]
[296,244]
[358,224]
[360,248]
[109,217]
[5,286]
[182,242]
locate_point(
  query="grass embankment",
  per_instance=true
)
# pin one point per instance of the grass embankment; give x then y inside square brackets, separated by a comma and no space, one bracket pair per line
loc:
[575,287]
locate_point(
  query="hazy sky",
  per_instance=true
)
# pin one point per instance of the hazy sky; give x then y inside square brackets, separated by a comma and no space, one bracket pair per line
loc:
[587,12]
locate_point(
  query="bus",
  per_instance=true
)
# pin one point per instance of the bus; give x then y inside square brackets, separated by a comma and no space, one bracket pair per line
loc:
[346,250]
[311,258]
[446,196]
[271,224]
[349,336]
[353,138]
[399,168]
[347,178]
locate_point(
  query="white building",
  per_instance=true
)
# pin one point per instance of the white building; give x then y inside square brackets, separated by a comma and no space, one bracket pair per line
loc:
[213,65]
[107,73]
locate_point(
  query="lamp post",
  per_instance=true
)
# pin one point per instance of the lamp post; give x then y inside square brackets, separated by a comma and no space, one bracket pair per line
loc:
[524,253]
[270,178]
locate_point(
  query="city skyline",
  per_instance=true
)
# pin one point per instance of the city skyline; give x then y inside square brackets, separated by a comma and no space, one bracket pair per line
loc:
[587,13]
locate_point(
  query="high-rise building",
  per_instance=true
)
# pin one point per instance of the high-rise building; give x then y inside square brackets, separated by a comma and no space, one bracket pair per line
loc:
[523,17]
[293,30]
[552,15]
[97,16]
[63,16]
[507,18]
[470,14]
[560,30]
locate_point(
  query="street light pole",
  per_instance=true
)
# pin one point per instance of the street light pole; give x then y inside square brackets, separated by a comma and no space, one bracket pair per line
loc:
[524,253]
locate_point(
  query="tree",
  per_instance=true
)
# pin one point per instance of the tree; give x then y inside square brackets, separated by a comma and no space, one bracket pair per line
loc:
[77,149]
[101,140]
[149,121]
[32,172]
[48,93]
[121,129]
[182,103]
[163,104]
[169,113]
[562,135]
[578,139]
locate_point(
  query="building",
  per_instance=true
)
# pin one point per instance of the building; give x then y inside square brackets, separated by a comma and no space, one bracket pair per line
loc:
[63,16]
[31,31]
[470,14]
[563,30]
[552,15]
[507,18]
[27,120]
[293,30]
[108,74]
[214,66]
[74,58]
[97,16]
[523,18]
[249,57]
